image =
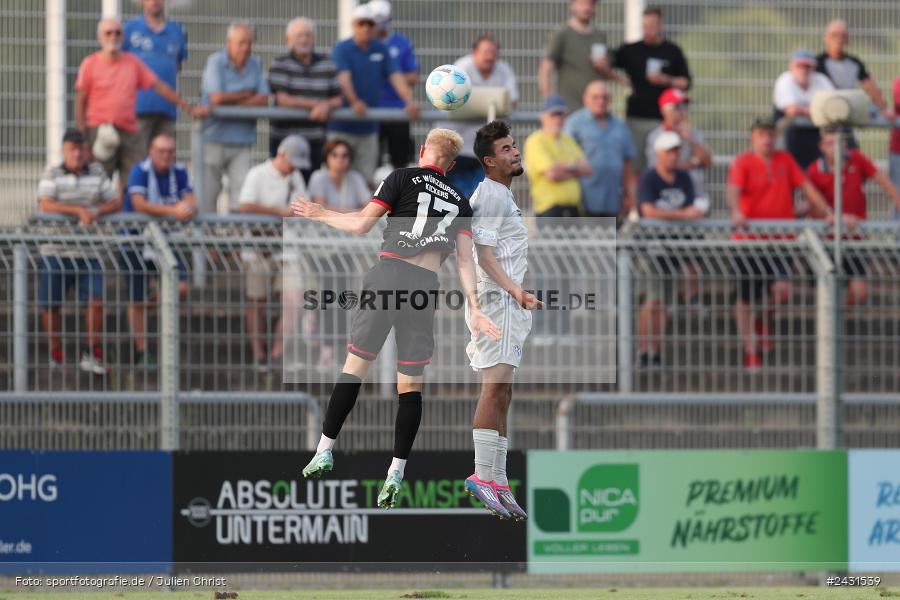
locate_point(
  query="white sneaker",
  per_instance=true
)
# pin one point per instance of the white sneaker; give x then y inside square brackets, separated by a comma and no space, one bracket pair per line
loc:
[92,364]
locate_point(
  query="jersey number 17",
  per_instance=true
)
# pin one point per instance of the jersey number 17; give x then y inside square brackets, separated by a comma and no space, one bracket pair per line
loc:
[442,206]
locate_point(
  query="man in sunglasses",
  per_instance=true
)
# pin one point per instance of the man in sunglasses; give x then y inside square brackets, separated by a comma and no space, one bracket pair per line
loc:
[364,65]
[106,95]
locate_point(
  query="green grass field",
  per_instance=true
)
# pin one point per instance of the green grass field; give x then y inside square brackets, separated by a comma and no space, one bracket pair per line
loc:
[783,593]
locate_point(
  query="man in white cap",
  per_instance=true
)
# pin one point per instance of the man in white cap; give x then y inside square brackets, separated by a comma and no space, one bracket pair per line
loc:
[395,137]
[664,192]
[268,190]
[364,65]
[696,155]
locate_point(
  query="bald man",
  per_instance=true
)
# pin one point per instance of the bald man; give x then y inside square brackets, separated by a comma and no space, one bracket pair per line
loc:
[845,70]
[232,77]
[106,94]
[609,191]
[303,78]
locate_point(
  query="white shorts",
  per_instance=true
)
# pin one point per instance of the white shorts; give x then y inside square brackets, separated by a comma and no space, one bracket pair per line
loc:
[514,323]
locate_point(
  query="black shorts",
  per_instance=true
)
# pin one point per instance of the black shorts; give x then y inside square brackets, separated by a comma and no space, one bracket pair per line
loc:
[399,295]
[757,273]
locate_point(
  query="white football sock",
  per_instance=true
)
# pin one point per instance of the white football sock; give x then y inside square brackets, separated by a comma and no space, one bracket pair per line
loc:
[500,461]
[398,464]
[325,443]
[485,452]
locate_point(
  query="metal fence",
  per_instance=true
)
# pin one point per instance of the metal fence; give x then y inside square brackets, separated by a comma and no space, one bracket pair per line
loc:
[700,395]
[736,49]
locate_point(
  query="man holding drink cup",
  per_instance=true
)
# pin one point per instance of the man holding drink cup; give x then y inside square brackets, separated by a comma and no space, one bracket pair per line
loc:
[652,64]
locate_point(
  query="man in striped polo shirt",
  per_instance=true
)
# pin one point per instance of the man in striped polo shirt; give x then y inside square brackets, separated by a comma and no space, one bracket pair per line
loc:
[81,190]
[303,79]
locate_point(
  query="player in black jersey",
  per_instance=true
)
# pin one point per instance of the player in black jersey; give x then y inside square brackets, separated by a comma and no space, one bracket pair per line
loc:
[427,219]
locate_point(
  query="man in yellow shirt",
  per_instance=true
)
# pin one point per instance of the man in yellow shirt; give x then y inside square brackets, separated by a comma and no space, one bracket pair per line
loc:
[553,163]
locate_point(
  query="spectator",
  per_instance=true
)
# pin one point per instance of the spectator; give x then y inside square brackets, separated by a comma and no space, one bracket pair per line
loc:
[484,68]
[158,187]
[793,93]
[553,163]
[695,155]
[845,70]
[652,64]
[303,79]
[337,185]
[268,190]
[761,184]
[857,169]
[105,98]
[82,190]
[162,45]
[395,137]
[665,192]
[576,54]
[340,188]
[233,76]
[364,64]
[609,191]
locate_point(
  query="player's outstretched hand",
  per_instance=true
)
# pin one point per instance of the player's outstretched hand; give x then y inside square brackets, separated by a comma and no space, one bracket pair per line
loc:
[481,323]
[529,301]
[301,207]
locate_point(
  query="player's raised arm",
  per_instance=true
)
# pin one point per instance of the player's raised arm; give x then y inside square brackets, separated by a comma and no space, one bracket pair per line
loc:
[359,222]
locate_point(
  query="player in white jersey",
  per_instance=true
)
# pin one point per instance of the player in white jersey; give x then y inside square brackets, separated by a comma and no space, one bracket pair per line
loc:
[501,255]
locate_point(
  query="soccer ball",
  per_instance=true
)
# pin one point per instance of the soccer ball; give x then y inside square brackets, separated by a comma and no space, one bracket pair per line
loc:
[448,87]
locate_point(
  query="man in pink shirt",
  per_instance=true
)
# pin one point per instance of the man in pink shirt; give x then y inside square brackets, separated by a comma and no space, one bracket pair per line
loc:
[106,93]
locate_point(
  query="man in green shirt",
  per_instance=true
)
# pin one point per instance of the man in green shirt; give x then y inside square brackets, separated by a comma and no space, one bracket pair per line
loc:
[576,54]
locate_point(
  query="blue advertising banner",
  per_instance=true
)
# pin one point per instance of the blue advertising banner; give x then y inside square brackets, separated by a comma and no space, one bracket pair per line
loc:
[874,496]
[85,512]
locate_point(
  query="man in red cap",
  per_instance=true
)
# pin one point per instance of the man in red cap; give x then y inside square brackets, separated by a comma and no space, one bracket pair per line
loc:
[695,155]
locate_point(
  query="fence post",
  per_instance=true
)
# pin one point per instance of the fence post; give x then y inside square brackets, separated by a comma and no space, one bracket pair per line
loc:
[828,324]
[111,8]
[20,318]
[198,256]
[55,64]
[828,379]
[313,424]
[564,423]
[626,322]
[168,339]
[634,10]
[345,24]
[197,152]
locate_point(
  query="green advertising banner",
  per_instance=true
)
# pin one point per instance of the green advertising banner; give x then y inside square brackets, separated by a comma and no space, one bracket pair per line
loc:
[669,511]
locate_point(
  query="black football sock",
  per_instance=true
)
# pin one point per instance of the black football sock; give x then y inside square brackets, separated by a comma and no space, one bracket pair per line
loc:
[343,399]
[409,415]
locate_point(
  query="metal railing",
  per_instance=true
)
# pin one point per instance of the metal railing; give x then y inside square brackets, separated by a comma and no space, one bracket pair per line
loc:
[820,343]
[281,113]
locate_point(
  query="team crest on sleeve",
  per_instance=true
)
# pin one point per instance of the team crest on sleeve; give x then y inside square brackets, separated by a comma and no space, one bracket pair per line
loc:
[485,234]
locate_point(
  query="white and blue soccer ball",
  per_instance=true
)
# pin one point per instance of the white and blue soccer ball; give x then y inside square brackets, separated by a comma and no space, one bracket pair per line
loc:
[448,87]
